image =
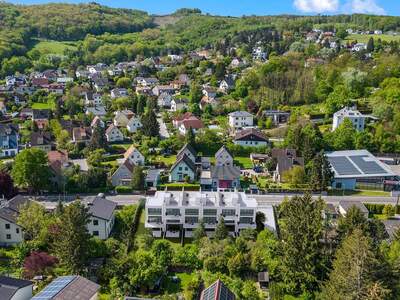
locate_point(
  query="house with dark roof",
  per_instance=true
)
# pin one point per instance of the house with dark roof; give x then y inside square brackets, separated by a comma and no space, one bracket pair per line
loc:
[123,175]
[15,289]
[9,138]
[224,177]
[250,138]
[223,157]
[10,232]
[192,123]
[113,134]
[345,206]
[41,117]
[217,291]
[183,168]
[41,140]
[81,134]
[69,288]
[102,217]
[189,151]
[285,159]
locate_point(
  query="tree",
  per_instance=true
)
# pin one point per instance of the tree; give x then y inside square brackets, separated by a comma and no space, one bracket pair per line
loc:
[123,82]
[321,173]
[353,269]
[6,185]
[370,45]
[295,176]
[70,236]
[38,263]
[388,210]
[98,139]
[250,291]
[354,219]
[301,231]
[195,93]
[34,220]
[260,220]
[150,124]
[31,170]
[190,138]
[221,232]
[344,136]
[237,265]
[200,231]
[138,179]
[95,158]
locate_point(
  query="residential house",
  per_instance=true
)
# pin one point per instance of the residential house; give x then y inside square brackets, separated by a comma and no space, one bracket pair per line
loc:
[15,289]
[10,232]
[102,216]
[68,288]
[123,175]
[40,82]
[217,291]
[226,84]
[9,139]
[178,104]
[118,93]
[277,116]
[100,83]
[93,99]
[113,134]
[209,92]
[286,159]
[259,54]
[163,89]
[222,177]
[41,140]
[345,206]
[359,47]
[164,100]
[98,110]
[237,63]
[98,68]
[189,151]
[176,122]
[146,82]
[174,213]
[121,117]
[134,124]
[193,123]
[183,169]
[223,157]
[41,117]
[134,155]
[81,134]
[240,119]
[153,178]
[97,121]
[250,138]
[357,118]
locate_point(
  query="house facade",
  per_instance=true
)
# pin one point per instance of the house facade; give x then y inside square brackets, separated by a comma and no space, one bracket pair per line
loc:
[123,175]
[134,124]
[250,138]
[113,134]
[102,217]
[177,213]
[9,139]
[357,118]
[223,157]
[240,119]
[183,168]
[134,156]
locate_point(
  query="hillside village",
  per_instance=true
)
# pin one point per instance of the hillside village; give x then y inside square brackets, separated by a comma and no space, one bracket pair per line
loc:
[252,165]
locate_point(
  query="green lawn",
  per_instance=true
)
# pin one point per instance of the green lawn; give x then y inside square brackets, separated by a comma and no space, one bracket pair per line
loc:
[53,47]
[39,105]
[244,162]
[363,38]
[141,229]
[168,160]
[370,193]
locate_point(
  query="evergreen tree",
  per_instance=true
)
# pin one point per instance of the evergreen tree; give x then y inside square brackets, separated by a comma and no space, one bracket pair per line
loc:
[221,232]
[70,238]
[301,232]
[321,174]
[150,124]
[199,232]
[354,219]
[370,45]
[190,138]
[195,93]
[138,179]
[353,270]
[141,104]
[98,139]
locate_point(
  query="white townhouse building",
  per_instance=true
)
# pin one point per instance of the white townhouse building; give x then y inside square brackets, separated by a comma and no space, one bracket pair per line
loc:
[357,118]
[102,216]
[175,213]
[240,119]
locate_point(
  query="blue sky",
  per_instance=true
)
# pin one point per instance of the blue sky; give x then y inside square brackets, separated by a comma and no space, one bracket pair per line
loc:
[249,7]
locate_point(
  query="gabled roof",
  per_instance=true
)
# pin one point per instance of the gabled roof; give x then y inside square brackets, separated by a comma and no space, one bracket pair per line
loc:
[240,114]
[251,134]
[10,209]
[193,122]
[217,291]
[223,149]
[40,138]
[111,128]
[346,205]
[189,148]
[102,208]
[225,172]
[9,286]
[185,159]
[130,150]
[8,129]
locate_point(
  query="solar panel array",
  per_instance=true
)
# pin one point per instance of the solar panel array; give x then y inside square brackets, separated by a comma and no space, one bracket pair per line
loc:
[368,167]
[343,166]
[54,288]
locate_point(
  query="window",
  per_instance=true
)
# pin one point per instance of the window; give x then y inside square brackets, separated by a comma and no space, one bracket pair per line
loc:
[8,236]
[211,212]
[228,212]
[95,222]
[17,230]
[210,220]
[186,168]
[173,212]
[7,226]
[95,233]
[154,211]
[192,212]
[246,212]
[180,168]
[191,220]
[246,220]
[154,219]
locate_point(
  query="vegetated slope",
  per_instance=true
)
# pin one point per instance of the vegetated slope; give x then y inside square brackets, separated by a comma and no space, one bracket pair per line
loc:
[60,21]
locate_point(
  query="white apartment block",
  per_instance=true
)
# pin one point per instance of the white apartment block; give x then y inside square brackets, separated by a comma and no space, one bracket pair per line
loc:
[171,214]
[357,118]
[240,119]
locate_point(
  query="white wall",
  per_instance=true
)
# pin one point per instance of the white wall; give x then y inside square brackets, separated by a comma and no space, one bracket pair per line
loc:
[23,294]
[15,237]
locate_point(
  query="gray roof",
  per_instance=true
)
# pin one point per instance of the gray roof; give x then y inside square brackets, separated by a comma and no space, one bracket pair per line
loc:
[152,174]
[9,286]
[240,114]
[102,208]
[10,209]
[391,226]
[223,148]
[187,161]
[189,147]
[217,291]
[225,172]
[346,205]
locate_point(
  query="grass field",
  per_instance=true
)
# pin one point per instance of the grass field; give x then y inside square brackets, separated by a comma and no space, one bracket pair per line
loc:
[363,38]
[38,105]
[53,47]
[168,160]
[244,162]
[370,193]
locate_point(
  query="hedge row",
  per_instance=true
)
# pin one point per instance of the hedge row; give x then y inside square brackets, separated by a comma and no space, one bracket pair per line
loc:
[377,209]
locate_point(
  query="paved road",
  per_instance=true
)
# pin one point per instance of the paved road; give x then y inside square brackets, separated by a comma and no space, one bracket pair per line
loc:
[276,199]
[163,129]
